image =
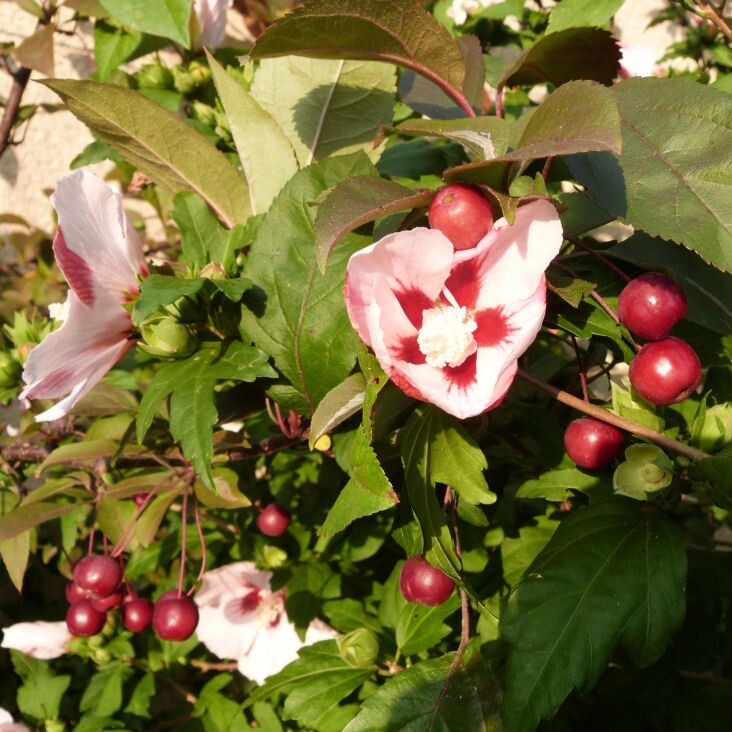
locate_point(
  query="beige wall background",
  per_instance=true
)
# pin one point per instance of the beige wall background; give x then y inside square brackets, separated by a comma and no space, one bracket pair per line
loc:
[28,171]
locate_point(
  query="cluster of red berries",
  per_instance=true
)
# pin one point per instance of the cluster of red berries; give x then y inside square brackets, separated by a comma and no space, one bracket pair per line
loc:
[96,589]
[664,371]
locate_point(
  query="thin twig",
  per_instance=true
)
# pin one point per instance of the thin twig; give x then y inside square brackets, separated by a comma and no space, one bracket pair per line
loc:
[605,416]
[714,14]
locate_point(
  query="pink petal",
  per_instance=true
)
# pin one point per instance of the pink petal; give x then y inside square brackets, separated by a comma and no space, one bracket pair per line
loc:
[211,15]
[72,359]
[510,261]
[75,269]
[96,229]
[273,648]
[415,265]
[39,639]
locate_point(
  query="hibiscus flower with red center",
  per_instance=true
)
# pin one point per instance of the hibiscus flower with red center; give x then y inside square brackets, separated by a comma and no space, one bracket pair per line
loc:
[449,326]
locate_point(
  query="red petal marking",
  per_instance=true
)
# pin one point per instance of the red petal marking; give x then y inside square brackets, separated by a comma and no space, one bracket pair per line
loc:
[406,386]
[463,282]
[463,375]
[76,271]
[414,303]
[49,384]
[249,602]
[493,327]
[408,350]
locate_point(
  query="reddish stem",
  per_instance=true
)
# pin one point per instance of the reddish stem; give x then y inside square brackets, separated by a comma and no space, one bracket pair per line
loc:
[600,257]
[204,554]
[184,539]
[580,368]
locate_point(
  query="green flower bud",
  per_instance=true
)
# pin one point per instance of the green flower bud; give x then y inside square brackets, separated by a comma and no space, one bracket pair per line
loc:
[645,471]
[54,725]
[204,113]
[199,72]
[713,430]
[154,76]
[9,371]
[183,81]
[165,337]
[359,649]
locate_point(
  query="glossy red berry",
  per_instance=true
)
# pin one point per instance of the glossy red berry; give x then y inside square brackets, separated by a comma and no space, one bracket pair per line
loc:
[665,372]
[137,614]
[273,520]
[175,618]
[74,593]
[462,213]
[424,584]
[592,443]
[107,603]
[651,305]
[83,620]
[98,575]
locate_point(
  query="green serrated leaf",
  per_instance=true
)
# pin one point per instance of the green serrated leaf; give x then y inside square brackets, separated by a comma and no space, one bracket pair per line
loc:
[576,13]
[357,201]
[156,291]
[420,627]
[190,384]
[572,290]
[200,232]
[573,53]
[103,693]
[369,490]
[112,47]
[555,485]
[325,107]
[167,18]
[159,143]
[398,32]
[670,181]
[610,574]
[314,684]
[266,154]
[15,551]
[457,461]
[40,695]
[518,553]
[296,314]
[431,695]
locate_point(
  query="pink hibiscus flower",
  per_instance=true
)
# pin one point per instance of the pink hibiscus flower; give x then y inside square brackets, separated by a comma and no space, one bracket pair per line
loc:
[101,258]
[446,326]
[242,619]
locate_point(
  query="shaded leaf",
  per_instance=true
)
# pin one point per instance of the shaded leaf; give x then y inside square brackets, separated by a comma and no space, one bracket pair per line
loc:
[159,143]
[156,291]
[397,32]
[518,553]
[570,289]
[103,693]
[670,180]
[112,47]
[357,201]
[411,700]
[610,574]
[296,314]
[325,107]
[574,53]
[167,18]
[200,232]
[555,485]
[266,155]
[15,552]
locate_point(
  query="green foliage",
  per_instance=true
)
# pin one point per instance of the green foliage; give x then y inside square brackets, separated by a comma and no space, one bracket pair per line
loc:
[609,575]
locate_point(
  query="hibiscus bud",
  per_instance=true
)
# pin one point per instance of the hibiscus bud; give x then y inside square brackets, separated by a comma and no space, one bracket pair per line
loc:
[9,371]
[165,337]
[183,81]
[154,76]
[213,271]
[714,430]
[199,72]
[646,470]
[204,113]
[359,649]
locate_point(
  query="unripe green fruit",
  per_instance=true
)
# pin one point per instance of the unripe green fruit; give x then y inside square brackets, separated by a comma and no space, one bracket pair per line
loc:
[645,471]
[183,81]
[714,430]
[359,649]
[154,76]
[166,337]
